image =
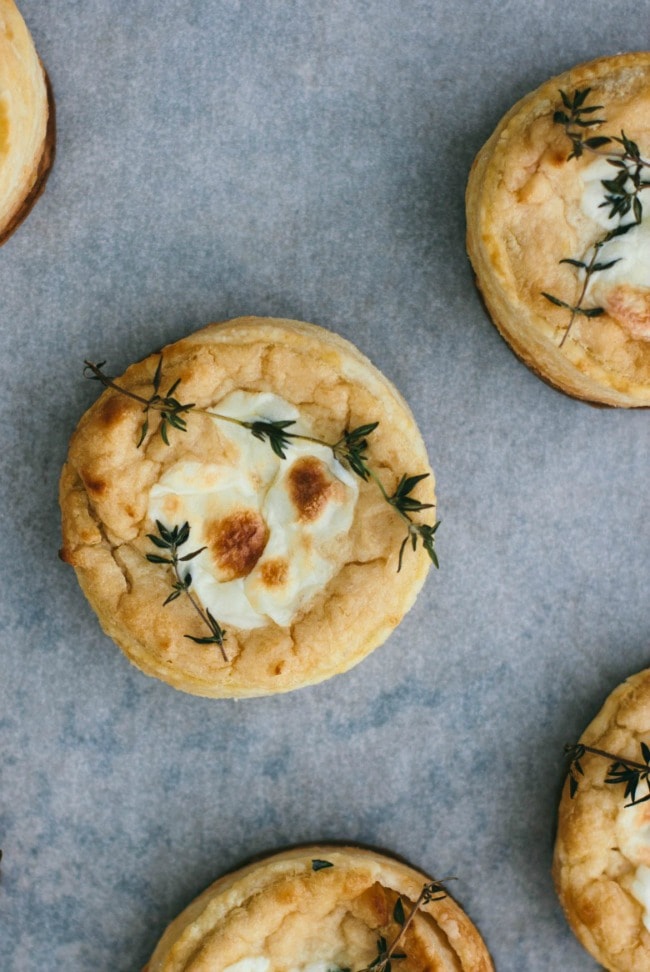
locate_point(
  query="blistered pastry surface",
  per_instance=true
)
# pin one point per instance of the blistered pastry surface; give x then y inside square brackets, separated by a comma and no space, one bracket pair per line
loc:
[281,914]
[107,483]
[525,214]
[601,842]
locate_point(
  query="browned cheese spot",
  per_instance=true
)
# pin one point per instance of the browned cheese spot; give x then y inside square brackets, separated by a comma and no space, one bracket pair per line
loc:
[274,572]
[312,486]
[237,542]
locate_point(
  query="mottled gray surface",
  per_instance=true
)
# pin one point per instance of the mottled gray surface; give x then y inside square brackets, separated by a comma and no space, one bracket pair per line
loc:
[308,160]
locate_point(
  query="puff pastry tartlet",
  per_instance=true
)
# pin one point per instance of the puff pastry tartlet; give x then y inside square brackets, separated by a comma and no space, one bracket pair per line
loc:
[316,909]
[602,852]
[26,121]
[534,214]
[298,555]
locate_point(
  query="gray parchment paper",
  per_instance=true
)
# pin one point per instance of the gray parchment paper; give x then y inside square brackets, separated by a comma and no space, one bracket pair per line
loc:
[304,159]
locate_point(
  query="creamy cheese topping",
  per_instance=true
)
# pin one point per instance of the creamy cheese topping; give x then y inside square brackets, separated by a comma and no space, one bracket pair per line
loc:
[623,289]
[269,525]
[257,964]
[260,964]
[633,836]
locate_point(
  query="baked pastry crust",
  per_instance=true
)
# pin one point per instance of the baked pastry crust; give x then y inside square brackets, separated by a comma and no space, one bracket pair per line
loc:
[27,123]
[107,479]
[282,910]
[524,215]
[592,870]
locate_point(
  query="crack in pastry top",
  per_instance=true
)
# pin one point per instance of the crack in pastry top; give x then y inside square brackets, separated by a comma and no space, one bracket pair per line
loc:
[270,526]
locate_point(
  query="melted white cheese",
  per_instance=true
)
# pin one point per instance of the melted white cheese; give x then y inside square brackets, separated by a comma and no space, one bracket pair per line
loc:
[298,556]
[260,964]
[632,250]
[257,964]
[633,836]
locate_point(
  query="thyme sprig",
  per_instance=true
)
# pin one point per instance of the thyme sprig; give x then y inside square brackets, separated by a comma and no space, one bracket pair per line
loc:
[621,770]
[621,196]
[575,123]
[387,952]
[351,450]
[170,408]
[170,540]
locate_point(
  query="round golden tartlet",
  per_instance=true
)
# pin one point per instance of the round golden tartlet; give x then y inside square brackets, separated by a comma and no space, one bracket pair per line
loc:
[27,130]
[110,482]
[602,851]
[530,206]
[289,912]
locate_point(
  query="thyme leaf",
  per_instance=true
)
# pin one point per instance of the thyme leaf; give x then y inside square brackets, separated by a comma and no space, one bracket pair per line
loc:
[351,449]
[170,539]
[171,410]
[389,952]
[274,432]
[621,194]
[632,773]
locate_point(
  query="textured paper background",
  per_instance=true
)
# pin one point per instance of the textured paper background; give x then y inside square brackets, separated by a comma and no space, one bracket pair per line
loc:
[308,160]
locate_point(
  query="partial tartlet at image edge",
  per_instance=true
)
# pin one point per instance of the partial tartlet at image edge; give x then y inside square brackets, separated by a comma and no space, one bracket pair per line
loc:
[319,908]
[602,852]
[260,477]
[27,121]
[558,230]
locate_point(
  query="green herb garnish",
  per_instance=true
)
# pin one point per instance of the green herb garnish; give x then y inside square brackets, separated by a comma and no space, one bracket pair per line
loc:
[387,953]
[628,771]
[351,450]
[170,408]
[170,540]
[621,194]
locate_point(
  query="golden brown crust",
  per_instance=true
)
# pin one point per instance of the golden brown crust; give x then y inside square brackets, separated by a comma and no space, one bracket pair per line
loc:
[107,479]
[593,866]
[524,216]
[282,910]
[27,122]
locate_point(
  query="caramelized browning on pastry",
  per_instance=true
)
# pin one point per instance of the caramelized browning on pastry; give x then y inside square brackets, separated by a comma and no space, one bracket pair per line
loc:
[316,909]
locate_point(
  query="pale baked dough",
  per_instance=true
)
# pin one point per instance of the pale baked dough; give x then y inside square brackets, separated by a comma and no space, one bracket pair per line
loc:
[594,869]
[106,483]
[524,215]
[295,919]
[26,121]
